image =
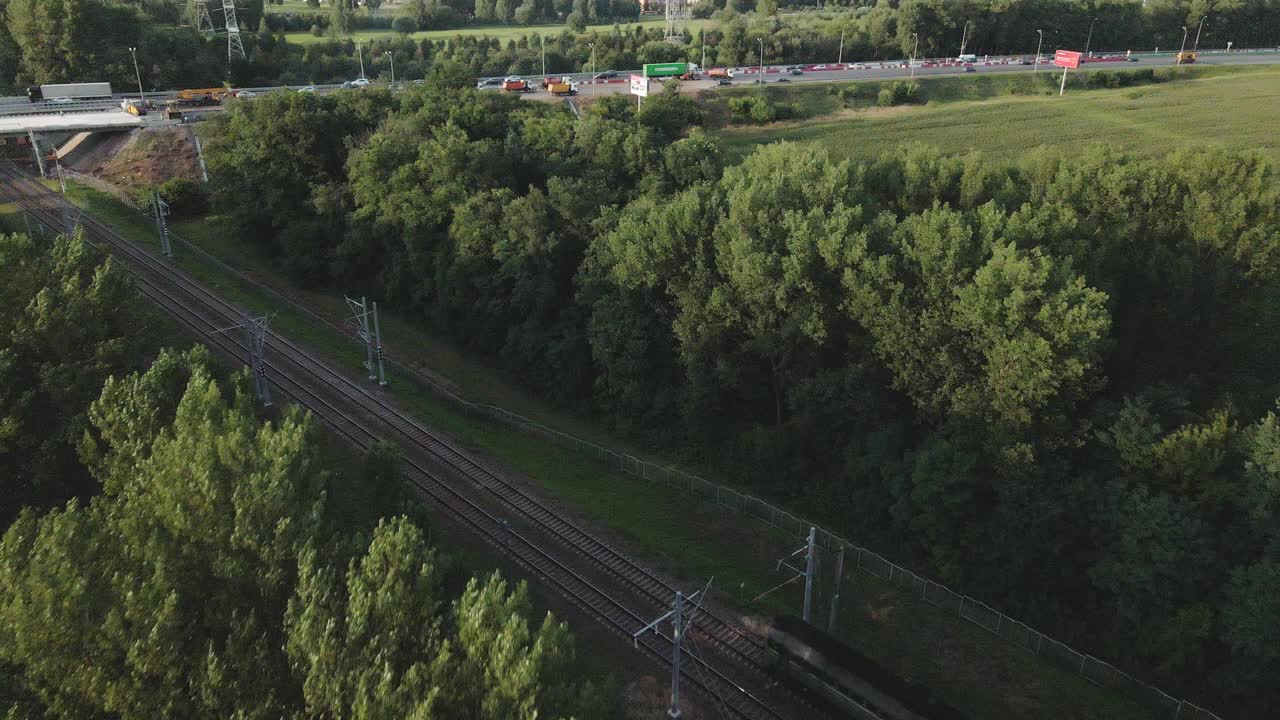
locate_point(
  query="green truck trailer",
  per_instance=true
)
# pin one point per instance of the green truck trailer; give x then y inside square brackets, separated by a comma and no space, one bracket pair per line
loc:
[655,70]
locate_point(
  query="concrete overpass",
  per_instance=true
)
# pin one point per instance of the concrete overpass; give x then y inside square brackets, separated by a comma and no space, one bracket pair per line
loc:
[78,122]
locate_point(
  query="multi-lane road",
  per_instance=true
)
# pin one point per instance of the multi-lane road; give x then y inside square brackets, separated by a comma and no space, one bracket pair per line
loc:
[891,70]
[12,108]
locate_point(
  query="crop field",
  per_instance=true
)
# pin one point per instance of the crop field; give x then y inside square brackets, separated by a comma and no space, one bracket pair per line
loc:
[1232,110]
[504,32]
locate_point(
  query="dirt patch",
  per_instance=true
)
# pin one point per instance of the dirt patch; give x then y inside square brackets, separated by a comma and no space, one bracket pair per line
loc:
[149,156]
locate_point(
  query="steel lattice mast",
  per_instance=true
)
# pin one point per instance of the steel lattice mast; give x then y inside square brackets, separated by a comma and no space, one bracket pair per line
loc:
[677,17]
[204,23]
[235,46]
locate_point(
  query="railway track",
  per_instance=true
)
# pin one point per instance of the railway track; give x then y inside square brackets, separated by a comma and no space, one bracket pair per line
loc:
[363,417]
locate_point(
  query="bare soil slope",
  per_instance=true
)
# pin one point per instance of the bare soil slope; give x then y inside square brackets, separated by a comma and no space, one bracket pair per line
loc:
[149,155]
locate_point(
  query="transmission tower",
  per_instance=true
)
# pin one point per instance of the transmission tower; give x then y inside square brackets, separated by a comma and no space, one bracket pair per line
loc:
[235,46]
[677,18]
[204,23]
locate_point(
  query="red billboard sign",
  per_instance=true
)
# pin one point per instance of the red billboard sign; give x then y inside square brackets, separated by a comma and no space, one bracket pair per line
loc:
[1067,59]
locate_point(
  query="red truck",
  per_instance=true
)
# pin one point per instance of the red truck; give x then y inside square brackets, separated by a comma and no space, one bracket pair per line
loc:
[516,85]
[719,73]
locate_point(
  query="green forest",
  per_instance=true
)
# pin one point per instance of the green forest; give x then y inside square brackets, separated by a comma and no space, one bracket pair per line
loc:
[170,553]
[1047,382]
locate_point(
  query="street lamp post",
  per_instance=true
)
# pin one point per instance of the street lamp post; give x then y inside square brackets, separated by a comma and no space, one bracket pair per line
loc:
[393,66]
[703,34]
[360,54]
[913,54]
[1184,45]
[964,36]
[760,76]
[1089,39]
[1196,47]
[840,56]
[134,52]
[1040,43]
[593,68]
[543,41]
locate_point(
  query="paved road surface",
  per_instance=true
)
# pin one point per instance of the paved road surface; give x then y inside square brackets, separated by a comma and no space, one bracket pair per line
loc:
[745,77]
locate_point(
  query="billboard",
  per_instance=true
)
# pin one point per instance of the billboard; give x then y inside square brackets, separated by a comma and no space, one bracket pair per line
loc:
[640,85]
[1067,59]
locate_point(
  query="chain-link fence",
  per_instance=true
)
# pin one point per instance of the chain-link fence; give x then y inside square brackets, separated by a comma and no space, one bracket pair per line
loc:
[857,559]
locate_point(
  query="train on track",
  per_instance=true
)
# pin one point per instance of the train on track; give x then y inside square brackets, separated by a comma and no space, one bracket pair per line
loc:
[848,682]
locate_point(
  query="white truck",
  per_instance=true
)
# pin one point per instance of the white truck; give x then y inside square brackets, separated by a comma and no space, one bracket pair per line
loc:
[71,91]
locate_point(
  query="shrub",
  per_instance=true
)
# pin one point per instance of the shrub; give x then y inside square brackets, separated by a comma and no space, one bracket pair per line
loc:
[404,24]
[758,109]
[900,93]
[317,31]
[184,197]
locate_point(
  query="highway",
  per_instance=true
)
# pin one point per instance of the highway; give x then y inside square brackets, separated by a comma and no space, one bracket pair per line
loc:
[11,108]
[891,70]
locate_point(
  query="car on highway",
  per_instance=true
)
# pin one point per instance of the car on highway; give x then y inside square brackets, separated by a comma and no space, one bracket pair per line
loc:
[725,81]
[970,68]
[606,75]
[357,83]
[488,82]
[307,89]
[796,71]
[246,94]
[512,78]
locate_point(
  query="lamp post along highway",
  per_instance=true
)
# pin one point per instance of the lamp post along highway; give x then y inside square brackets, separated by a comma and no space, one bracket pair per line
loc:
[134,52]
[393,66]
[593,68]
[964,36]
[1196,47]
[913,54]
[543,41]
[360,54]
[1090,38]
[1184,45]
[760,76]
[1040,43]
[840,55]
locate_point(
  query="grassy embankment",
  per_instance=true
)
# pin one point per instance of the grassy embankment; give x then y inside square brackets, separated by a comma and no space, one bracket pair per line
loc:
[1003,116]
[502,32]
[979,673]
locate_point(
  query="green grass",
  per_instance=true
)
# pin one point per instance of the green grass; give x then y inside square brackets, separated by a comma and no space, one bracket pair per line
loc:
[502,32]
[11,218]
[1235,110]
[981,674]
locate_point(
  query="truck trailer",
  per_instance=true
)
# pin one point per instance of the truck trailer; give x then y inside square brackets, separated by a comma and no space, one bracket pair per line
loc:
[74,91]
[657,70]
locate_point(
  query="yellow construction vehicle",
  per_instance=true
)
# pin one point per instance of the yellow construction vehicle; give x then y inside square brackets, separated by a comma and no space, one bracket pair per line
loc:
[1187,57]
